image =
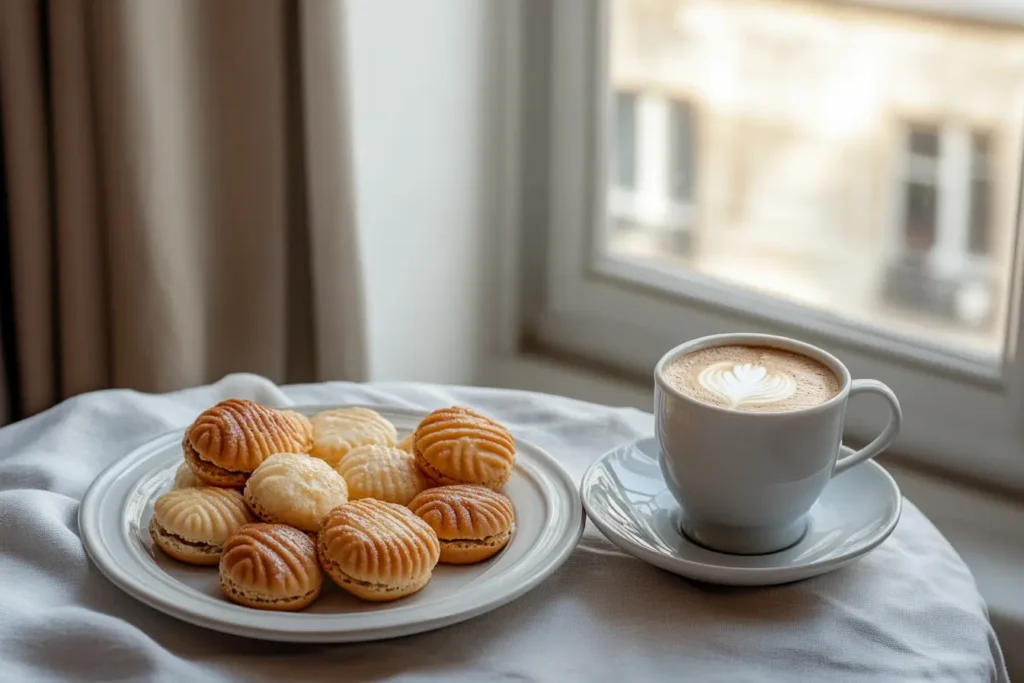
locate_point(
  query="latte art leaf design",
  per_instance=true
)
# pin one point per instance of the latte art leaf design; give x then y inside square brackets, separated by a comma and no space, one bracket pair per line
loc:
[746,384]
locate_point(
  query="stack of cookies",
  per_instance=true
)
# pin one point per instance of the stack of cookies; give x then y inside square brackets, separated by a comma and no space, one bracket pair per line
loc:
[275,499]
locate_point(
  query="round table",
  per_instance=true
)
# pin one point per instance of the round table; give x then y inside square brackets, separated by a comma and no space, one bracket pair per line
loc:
[908,611]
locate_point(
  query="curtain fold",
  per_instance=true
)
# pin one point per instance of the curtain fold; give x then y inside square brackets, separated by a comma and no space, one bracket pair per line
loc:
[169,217]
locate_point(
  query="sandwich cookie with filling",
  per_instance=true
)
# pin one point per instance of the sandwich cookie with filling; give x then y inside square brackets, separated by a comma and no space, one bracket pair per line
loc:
[230,440]
[270,567]
[461,446]
[472,522]
[377,551]
[191,524]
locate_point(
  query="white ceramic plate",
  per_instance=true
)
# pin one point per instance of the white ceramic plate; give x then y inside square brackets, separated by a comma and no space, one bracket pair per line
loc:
[114,518]
[626,498]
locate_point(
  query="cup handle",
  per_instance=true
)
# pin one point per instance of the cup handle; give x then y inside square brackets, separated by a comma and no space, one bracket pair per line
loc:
[888,435]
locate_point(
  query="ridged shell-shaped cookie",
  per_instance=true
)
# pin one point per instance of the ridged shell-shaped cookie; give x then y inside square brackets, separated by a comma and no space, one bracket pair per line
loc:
[301,422]
[464,511]
[336,432]
[202,515]
[378,543]
[383,472]
[460,446]
[238,434]
[406,444]
[185,478]
[295,489]
[271,560]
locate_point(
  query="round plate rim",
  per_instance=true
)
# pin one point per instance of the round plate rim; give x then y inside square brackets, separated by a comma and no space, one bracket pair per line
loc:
[89,526]
[738,576]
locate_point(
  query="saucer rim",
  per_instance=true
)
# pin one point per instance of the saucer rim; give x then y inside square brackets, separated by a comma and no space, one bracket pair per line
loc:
[738,575]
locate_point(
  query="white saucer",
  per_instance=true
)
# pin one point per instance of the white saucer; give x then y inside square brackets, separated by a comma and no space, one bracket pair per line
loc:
[625,496]
[115,513]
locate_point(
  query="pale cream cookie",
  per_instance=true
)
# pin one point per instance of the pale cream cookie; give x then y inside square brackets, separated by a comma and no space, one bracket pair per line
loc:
[336,432]
[185,478]
[191,525]
[295,489]
[383,472]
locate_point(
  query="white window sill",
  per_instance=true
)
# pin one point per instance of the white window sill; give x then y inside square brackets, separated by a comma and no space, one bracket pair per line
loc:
[985,528]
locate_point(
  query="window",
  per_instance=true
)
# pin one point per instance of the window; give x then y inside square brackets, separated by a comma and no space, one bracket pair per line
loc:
[623,172]
[922,188]
[681,152]
[651,174]
[978,242]
[945,274]
[847,173]
[624,141]
[966,183]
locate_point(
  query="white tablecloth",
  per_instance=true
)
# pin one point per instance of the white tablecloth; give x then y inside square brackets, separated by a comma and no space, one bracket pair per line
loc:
[907,612]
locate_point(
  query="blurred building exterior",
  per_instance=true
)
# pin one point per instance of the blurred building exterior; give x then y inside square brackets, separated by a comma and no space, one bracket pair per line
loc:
[854,158]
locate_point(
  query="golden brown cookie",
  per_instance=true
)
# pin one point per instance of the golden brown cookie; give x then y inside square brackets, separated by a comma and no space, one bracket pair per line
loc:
[302,423]
[192,524]
[460,446]
[209,474]
[336,432]
[377,551]
[406,444]
[295,489]
[271,567]
[472,522]
[383,472]
[230,440]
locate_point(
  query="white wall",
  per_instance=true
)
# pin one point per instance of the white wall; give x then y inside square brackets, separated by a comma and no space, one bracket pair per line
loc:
[424,95]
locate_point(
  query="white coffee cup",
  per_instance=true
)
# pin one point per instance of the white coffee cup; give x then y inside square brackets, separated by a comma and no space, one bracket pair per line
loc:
[746,480]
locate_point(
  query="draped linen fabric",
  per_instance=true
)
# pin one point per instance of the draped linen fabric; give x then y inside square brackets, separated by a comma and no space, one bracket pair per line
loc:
[908,612]
[179,195]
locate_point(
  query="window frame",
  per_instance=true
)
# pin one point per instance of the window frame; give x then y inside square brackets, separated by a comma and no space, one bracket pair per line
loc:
[963,413]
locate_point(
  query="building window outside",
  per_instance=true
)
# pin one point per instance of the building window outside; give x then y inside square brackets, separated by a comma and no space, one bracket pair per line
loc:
[681,157]
[943,263]
[653,169]
[624,140]
[947,193]
[979,229]
[920,218]
[622,162]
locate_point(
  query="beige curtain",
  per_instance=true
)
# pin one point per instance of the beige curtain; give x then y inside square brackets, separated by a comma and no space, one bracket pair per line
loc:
[179,194]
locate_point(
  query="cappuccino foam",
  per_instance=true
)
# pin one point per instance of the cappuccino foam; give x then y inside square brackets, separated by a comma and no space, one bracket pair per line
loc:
[752,378]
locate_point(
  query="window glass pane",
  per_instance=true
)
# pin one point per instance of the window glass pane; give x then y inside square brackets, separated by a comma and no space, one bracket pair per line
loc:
[924,140]
[681,139]
[980,196]
[843,158]
[979,217]
[624,162]
[979,155]
[920,221]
